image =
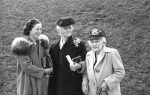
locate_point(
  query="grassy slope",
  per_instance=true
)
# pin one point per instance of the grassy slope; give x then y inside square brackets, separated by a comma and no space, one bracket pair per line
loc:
[127,23]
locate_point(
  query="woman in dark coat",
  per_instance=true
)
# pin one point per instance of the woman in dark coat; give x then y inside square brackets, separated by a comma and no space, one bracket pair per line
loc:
[67,79]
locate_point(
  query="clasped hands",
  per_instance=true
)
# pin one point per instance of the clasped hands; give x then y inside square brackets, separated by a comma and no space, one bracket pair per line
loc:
[48,71]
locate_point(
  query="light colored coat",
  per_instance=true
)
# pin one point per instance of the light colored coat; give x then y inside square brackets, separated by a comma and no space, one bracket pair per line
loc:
[109,68]
[31,79]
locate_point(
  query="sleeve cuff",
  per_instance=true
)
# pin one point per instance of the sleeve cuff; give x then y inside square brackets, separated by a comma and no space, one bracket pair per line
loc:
[81,70]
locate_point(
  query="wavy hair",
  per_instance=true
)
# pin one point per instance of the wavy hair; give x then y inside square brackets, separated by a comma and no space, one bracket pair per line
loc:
[29,25]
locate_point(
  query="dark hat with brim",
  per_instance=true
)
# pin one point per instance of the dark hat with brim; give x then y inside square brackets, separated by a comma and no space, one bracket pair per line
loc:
[96,34]
[65,21]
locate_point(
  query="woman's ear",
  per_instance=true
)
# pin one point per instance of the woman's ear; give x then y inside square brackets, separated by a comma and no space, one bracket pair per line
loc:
[72,28]
[58,29]
[104,40]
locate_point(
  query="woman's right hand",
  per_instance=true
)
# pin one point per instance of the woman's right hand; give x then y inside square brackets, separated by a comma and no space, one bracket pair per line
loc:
[85,89]
[48,71]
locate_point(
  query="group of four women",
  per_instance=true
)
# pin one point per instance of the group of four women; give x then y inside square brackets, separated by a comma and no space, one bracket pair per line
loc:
[97,72]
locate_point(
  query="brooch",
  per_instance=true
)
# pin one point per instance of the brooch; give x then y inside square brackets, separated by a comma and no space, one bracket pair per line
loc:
[95,32]
[77,41]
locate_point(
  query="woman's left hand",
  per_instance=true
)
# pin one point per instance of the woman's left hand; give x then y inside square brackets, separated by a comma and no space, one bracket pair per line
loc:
[75,67]
[104,86]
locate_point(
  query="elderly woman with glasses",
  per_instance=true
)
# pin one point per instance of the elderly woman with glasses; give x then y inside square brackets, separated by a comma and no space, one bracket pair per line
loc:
[67,74]
[104,67]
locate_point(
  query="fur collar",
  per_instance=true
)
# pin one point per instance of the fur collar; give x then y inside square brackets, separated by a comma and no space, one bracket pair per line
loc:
[44,41]
[21,46]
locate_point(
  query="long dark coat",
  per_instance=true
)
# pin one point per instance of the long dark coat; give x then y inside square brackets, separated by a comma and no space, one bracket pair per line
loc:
[65,81]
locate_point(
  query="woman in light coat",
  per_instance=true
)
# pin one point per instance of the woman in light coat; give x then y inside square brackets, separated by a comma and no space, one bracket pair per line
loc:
[104,67]
[30,53]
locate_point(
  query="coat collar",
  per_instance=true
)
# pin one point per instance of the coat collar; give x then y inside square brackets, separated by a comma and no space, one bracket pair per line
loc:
[105,49]
[69,41]
[56,49]
[100,56]
[56,46]
[31,40]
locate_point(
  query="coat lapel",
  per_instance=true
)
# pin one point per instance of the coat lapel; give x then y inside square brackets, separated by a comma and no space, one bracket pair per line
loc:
[100,57]
[56,48]
[91,61]
[34,54]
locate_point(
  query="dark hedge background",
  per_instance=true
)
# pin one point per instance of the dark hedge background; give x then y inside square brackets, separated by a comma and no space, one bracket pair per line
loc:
[127,23]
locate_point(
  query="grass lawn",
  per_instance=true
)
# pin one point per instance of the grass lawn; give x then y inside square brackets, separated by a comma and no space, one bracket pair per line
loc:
[126,22]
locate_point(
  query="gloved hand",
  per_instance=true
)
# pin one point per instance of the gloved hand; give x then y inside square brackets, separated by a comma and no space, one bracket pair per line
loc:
[85,89]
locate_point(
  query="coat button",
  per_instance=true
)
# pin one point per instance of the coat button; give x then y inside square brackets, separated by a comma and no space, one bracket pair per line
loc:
[97,70]
[98,90]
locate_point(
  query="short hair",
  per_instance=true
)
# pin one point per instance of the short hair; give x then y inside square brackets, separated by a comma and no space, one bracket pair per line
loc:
[29,25]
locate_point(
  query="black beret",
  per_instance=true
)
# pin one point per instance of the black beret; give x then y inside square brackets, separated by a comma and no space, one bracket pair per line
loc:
[96,33]
[65,21]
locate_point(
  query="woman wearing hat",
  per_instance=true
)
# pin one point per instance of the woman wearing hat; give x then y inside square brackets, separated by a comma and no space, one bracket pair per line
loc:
[30,53]
[104,67]
[67,77]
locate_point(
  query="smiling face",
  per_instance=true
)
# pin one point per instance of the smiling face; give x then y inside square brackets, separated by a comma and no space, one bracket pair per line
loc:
[97,44]
[65,31]
[36,31]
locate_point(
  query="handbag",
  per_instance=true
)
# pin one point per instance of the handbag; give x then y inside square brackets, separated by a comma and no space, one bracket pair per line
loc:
[77,59]
[49,63]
